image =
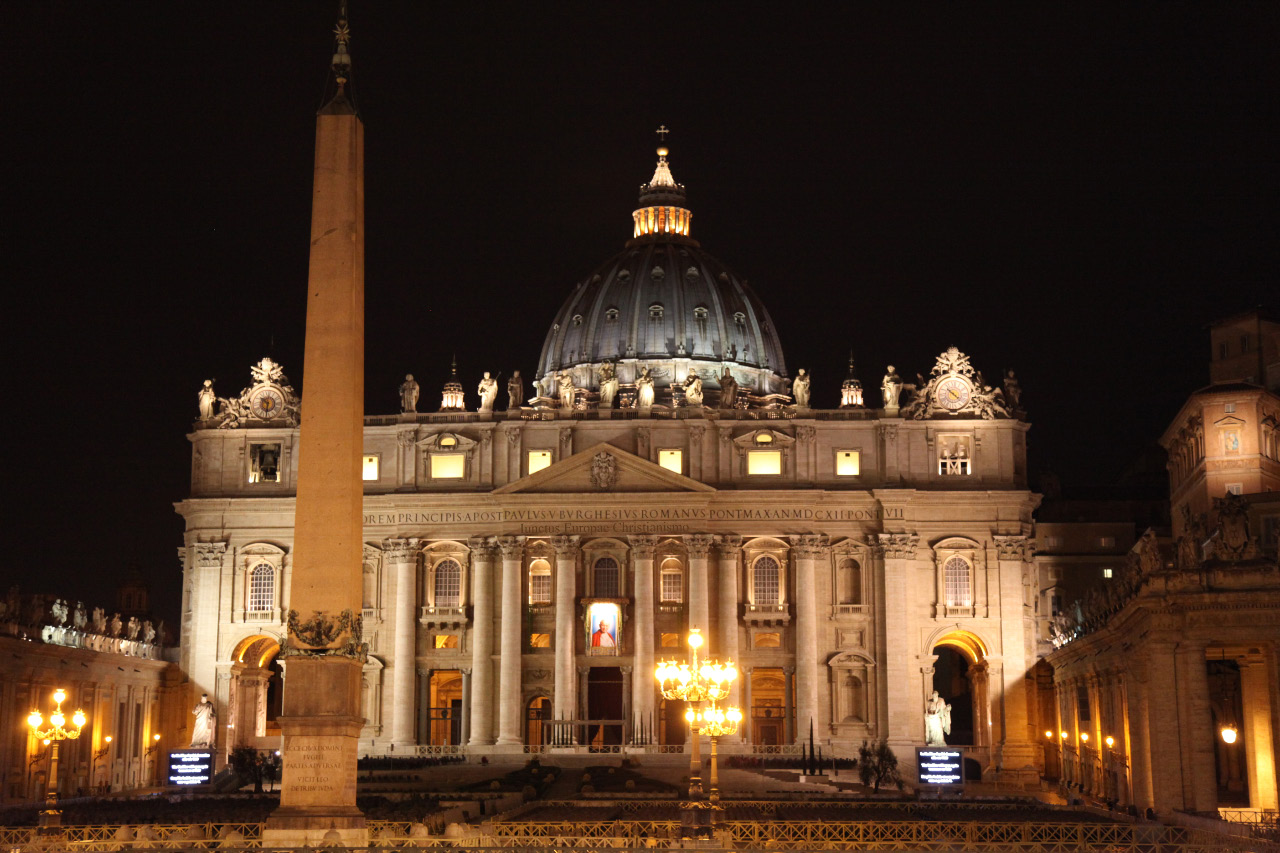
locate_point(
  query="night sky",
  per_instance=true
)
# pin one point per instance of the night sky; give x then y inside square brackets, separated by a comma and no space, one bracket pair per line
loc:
[1069,190]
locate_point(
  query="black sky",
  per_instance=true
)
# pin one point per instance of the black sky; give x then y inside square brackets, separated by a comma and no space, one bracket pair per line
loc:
[1070,190]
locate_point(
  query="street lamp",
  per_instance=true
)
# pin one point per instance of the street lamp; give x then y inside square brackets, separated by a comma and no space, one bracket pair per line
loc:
[716,723]
[695,682]
[98,756]
[51,816]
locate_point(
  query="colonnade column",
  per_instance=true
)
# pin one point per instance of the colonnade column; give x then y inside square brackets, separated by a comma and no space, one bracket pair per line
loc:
[510,713]
[403,557]
[730,548]
[698,546]
[642,687]
[1200,786]
[1260,757]
[1139,740]
[1162,725]
[481,703]
[807,550]
[566,584]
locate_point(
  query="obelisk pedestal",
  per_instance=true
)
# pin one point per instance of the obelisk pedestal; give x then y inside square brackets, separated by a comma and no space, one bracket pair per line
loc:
[324,652]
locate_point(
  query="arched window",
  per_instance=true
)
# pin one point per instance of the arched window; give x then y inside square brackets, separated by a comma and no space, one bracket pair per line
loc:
[539,582]
[956,582]
[766,579]
[605,578]
[611,315]
[448,587]
[672,583]
[262,587]
[849,582]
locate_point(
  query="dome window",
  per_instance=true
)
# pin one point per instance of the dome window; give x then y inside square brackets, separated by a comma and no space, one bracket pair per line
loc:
[655,311]
[700,313]
[740,319]
[691,273]
[611,315]
[577,319]
[658,273]
[624,275]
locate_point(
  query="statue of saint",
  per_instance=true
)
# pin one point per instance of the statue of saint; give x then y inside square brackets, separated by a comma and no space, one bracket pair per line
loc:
[800,389]
[693,390]
[99,621]
[132,628]
[116,625]
[79,619]
[937,720]
[891,387]
[567,392]
[488,392]
[59,612]
[1012,390]
[728,390]
[608,385]
[202,730]
[515,391]
[644,390]
[148,631]
[408,394]
[206,398]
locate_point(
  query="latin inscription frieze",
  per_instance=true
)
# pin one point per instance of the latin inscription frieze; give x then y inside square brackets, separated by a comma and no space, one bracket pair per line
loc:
[634,518]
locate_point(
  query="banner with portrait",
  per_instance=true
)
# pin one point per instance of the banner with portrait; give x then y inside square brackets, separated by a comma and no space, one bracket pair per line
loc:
[603,622]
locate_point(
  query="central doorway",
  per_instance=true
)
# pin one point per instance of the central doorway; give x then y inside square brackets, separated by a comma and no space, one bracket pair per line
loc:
[604,702]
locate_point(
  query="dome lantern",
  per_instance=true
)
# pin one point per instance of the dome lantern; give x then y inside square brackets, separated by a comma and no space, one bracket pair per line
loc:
[662,211]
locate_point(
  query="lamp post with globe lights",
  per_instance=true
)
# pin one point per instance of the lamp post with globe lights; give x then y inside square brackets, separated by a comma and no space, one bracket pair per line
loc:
[695,682]
[57,732]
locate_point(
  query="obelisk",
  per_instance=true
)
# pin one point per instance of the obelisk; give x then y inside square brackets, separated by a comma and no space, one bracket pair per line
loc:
[324,651]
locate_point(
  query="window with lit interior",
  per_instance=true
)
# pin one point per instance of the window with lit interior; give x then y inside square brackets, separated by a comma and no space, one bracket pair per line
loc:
[262,587]
[672,460]
[766,577]
[672,583]
[848,463]
[539,459]
[957,583]
[763,460]
[264,463]
[369,467]
[448,584]
[539,582]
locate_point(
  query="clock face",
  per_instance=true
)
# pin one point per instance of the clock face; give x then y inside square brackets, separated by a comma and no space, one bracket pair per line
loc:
[267,404]
[953,393]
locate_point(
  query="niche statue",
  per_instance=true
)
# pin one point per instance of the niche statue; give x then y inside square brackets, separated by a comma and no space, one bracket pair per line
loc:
[937,720]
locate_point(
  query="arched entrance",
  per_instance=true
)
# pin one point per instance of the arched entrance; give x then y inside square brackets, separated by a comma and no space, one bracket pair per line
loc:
[256,695]
[537,716]
[444,716]
[769,712]
[960,677]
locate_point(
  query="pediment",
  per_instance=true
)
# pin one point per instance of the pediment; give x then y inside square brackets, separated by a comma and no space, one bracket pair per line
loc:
[603,469]
[1229,421]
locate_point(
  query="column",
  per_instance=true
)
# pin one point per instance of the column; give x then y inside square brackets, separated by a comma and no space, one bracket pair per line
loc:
[403,559]
[566,586]
[807,550]
[1260,757]
[481,701]
[978,686]
[510,712]
[1139,743]
[628,725]
[730,552]
[901,647]
[464,735]
[643,686]
[698,546]
[747,718]
[1016,750]
[1162,726]
[1200,776]
[788,701]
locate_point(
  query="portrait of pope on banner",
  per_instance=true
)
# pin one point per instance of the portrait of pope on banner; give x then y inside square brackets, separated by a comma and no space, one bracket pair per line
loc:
[602,628]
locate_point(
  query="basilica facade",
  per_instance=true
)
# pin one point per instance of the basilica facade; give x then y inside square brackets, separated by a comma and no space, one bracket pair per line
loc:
[525,568]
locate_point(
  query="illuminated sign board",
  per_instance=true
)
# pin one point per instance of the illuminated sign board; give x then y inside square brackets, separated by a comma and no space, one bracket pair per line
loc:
[190,767]
[940,766]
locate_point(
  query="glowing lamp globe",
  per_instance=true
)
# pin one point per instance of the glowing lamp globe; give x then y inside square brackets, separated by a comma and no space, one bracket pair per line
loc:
[35,720]
[1228,734]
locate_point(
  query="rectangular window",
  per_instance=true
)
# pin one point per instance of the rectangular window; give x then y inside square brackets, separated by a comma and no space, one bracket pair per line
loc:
[369,467]
[672,460]
[955,455]
[539,641]
[1235,488]
[672,587]
[448,466]
[670,641]
[540,589]
[264,463]
[1106,541]
[446,641]
[1107,573]
[539,459]
[767,640]
[764,462]
[848,463]
[1229,408]
[1053,542]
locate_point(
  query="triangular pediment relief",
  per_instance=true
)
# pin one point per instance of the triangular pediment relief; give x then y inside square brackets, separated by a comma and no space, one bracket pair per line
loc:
[603,469]
[1229,421]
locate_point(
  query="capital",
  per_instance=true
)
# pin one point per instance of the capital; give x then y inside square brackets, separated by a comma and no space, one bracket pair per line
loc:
[698,545]
[809,545]
[900,546]
[643,545]
[482,548]
[512,547]
[566,546]
[399,549]
[730,545]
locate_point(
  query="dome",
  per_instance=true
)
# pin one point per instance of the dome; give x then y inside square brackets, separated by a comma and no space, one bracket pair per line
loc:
[665,304]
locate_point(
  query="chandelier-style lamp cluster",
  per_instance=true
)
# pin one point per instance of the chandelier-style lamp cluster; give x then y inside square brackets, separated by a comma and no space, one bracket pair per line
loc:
[716,722]
[708,681]
[57,731]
